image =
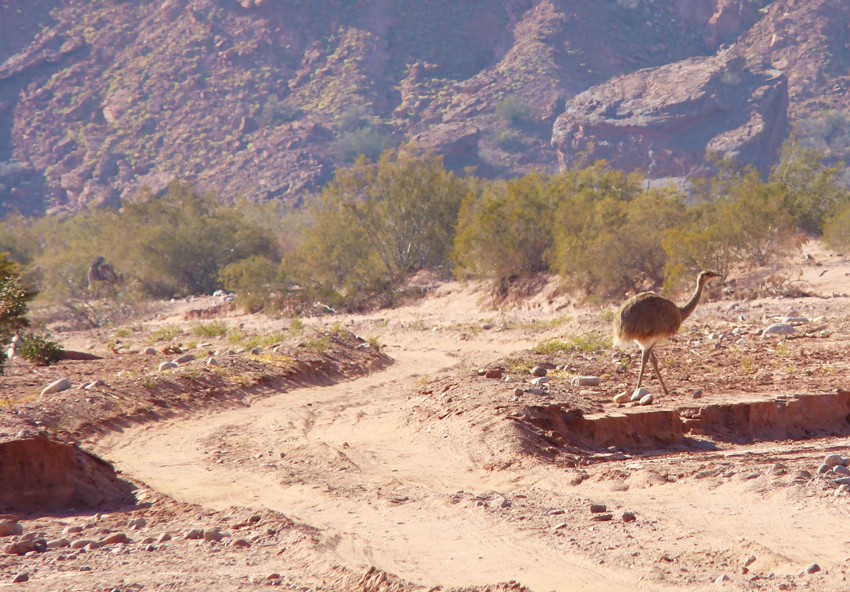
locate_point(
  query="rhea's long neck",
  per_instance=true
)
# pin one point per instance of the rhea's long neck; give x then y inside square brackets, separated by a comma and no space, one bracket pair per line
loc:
[691,304]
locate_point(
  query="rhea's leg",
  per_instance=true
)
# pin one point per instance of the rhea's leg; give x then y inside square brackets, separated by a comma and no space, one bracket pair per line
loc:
[654,361]
[644,355]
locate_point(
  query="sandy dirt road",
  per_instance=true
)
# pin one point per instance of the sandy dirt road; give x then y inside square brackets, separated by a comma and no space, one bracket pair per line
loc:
[417,502]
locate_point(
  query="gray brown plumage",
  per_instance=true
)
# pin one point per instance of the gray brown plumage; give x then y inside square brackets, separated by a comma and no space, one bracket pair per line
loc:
[647,318]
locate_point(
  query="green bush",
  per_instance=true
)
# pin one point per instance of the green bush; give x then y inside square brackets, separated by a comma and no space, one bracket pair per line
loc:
[253,280]
[39,349]
[15,296]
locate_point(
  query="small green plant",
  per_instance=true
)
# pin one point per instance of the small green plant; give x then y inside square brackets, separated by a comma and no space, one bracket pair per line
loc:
[214,329]
[167,333]
[149,382]
[39,349]
[296,325]
[587,343]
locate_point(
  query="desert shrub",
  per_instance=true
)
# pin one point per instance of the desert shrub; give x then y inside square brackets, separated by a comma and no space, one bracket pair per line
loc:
[608,230]
[813,191]
[740,220]
[15,296]
[375,225]
[39,349]
[514,111]
[505,230]
[214,329]
[836,229]
[253,280]
[369,141]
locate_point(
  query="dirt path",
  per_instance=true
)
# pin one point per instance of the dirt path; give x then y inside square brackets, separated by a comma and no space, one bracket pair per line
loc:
[417,499]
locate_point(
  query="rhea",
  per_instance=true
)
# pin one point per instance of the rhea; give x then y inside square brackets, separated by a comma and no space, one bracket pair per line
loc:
[646,319]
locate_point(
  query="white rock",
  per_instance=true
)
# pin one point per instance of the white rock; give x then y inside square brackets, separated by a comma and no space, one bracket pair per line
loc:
[834,460]
[184,359]
[150,351]
[167,366]
[585,381]
[540,380]
[56,386]
[639,393]
[646,400]
[779,329]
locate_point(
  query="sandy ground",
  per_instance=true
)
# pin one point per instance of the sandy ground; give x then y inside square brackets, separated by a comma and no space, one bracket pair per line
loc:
[415,477]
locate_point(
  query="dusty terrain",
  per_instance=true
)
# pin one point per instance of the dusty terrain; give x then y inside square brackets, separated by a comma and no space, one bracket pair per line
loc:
[393,463]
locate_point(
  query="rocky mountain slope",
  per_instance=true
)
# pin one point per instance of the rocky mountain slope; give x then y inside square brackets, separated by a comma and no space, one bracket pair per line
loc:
[265,98]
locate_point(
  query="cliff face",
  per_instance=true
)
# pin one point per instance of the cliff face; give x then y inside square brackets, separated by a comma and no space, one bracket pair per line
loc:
[265,98]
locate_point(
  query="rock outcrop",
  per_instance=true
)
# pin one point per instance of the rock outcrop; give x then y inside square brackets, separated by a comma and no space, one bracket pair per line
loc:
[667,120]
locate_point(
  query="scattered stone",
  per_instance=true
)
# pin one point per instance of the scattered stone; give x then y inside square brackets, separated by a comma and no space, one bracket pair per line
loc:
[539,371]
[58,544]
[85,543]
[540,380]
[184,359]
[598,508]
[56,386]
[585,381]
[646,400]
[213,534]
[195,533]
[256,351]
[722,580]
[841,470]
[621,398]
[779,329]
[21,577]
[72,529]
[167,366]
[164,537]
[834,460]
[749,560]
[9,528]
[150,351]
[602,517]
[241,543]
[535,391]
[137,523]
[119,538]
[813,568]
[493,373]
[842,490]
[697,394]
[824,469]
[639,393]
[629,517]
[212,361]
[518,392]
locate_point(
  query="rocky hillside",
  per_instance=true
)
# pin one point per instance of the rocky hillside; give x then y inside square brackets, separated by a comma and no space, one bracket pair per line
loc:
[265,98]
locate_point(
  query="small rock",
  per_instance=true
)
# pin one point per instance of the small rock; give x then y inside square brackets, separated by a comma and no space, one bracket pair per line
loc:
[540,380]
[164,537]
[639,393]
[9,528]
[137,523]
[21,577]
[212,361]
[213,534]
[813,568]
[72,529]
[585,381]
[256,351]
[167,366]
[241,543]
[779,329]
[535,391]
[150,351]
[841,470]
[621,398]
[602,517]
[697,394]
[184,359]
[749,560]
[646,400]
[722,579]
[834,460]
[518,392]
[824,469]
[58,544]
[539,371]
[493,373]
[598,508]
[119,538]
[56,386]
[195,533]
[841,490]
[629,517]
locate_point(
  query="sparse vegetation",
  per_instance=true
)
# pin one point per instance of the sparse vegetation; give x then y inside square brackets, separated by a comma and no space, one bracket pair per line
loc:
[39,349]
